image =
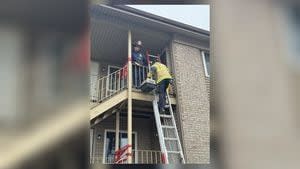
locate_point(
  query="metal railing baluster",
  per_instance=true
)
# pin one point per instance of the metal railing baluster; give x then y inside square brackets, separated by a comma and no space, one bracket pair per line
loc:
[119,80]
[143,74]
[115,82]
[147,157]
[142,161]
[111,84]
[139,76]
[106,86]
[135,76]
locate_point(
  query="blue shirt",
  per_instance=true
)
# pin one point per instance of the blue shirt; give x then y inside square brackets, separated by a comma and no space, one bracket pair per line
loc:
[139,58]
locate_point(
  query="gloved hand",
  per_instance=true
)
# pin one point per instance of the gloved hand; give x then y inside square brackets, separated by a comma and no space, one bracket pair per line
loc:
[138,64]
[149,76]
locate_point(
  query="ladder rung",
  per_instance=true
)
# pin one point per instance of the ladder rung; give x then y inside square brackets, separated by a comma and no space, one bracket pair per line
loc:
[174,152]
[166,116]
[168,138]
[168,127]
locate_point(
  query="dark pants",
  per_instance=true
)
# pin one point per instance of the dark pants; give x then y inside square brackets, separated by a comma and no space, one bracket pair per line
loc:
[138,75]
[162,90]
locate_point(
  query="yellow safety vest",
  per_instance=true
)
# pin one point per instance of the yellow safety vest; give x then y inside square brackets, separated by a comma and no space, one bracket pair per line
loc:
[162,72]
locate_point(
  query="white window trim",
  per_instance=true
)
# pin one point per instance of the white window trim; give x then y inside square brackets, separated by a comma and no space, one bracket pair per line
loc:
[111,66]
[121,131]
[204,64]
[108,72]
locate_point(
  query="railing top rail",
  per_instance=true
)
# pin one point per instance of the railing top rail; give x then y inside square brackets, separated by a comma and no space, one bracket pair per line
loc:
[155,56]
[106,76]
[156,151]
[139,65]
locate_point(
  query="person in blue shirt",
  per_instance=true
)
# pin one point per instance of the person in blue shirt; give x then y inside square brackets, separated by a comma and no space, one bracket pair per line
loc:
[137,56]
[138,61]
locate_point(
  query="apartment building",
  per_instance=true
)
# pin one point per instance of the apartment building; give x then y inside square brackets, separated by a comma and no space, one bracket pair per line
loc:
[118,105]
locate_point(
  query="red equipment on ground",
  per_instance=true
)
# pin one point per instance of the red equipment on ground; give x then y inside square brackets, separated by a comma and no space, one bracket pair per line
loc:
[122,154]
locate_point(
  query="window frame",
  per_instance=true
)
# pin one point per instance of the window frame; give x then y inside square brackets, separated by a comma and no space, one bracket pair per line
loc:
[204,63]
[108,72]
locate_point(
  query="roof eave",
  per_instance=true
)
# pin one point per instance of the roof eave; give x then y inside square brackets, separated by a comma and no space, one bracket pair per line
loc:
[162,19]
[164,24]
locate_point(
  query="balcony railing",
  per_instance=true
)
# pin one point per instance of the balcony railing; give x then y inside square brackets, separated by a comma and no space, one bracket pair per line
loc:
[115,82]
[147,157]
[111,84]
[139,74]
[139,157]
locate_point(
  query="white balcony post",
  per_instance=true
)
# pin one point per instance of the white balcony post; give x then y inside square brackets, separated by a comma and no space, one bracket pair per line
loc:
[129,113]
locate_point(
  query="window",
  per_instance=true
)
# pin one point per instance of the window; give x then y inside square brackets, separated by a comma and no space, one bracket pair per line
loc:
[109,144]
[112,81]
[112,69]
[206,63]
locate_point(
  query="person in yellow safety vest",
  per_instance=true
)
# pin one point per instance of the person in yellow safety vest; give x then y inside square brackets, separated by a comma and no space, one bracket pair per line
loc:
[160,73]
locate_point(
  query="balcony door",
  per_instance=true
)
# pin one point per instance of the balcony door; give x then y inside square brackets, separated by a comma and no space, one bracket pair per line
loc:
[109,145]
[113,79]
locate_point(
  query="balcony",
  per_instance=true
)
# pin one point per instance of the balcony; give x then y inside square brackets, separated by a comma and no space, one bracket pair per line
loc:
[111,90]
[115,82]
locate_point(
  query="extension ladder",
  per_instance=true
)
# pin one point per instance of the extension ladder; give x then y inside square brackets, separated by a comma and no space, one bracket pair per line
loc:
[167,133]
[166,128]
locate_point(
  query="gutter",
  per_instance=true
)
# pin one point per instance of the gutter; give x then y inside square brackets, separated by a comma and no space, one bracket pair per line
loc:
[167,25]
[163,19]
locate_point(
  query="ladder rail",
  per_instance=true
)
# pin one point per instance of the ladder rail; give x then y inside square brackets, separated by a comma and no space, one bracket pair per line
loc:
[159,129]
[176,131]
[162,139]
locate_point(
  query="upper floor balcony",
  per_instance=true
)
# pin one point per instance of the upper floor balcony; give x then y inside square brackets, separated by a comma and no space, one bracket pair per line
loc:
[109,56]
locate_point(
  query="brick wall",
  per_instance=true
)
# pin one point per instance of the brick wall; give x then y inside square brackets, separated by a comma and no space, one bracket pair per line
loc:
[193,101]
